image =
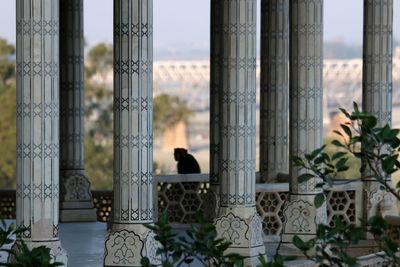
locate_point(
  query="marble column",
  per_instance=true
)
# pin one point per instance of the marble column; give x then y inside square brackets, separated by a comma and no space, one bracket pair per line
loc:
[306,114]
[129,240]
[37,124]
[212,197]
[237,220]
[377,89]
[274,94]
[76,199]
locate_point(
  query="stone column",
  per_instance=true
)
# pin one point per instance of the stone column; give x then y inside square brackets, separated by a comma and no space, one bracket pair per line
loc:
[212,197]
[274,95]
[76,199]
[377,88]
[306,114]
[129,239]
[238,221]
[37,124]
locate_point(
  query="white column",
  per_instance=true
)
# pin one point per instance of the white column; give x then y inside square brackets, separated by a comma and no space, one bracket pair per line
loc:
[306,118]
[377,89]
[238,221]
[274,94]
[37,124]
[76,199]
[129,240]
[212,198]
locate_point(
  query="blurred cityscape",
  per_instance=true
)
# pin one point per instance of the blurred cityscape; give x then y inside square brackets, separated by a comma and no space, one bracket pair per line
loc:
[189,79]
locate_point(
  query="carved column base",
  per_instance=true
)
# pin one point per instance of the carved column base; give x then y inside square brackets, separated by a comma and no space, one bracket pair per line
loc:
[378,201]
[301,218]
[76,203]
[211,203]
[57,252]
[127,244]
[242,226]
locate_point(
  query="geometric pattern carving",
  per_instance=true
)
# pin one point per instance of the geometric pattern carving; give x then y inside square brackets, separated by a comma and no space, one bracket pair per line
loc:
[274,85]
[237,103]
[7,203]
[103,201]
[133,131]
[37,73]
[133,159]
[306,115]
[306,85]
[341,204]
[215,88]
[377,77]
[71,85]
[270,207]
[182,201]
[74,183]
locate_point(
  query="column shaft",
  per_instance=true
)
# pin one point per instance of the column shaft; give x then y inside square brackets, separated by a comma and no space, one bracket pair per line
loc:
[133,206]
[377,87]
[274,94]
[37,124]
[306,114]
[212,198]
[237,131]
[76,199]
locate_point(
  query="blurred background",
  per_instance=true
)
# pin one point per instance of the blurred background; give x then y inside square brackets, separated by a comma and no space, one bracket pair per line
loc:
[181,81]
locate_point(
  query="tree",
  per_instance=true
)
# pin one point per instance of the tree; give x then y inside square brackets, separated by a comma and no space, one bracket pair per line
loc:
[8,116]
[7,62]
[171,116]
[99,117]
[99,60]
[7,136]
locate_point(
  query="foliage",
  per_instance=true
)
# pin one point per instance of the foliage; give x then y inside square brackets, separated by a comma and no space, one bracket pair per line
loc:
[23,256]
[7,136]
[378,149]
[99,59]
[353,162]
[99,164]
[200,243]
[8,116]
[7,62]
[168,111]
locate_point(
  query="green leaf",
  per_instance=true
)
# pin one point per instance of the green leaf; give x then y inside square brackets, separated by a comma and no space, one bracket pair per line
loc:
[341,163]
[337,143]
[300,244]
[346,129]
[145,261]
[388,164]
[338,155]
[304,177]
[355,107]
[319,200]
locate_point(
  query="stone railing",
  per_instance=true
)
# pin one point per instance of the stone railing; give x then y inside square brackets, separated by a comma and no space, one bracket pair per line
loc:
[7,203]
[182,197]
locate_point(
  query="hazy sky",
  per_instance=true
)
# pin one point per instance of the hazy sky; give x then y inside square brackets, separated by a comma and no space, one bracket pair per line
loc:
[179,23]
